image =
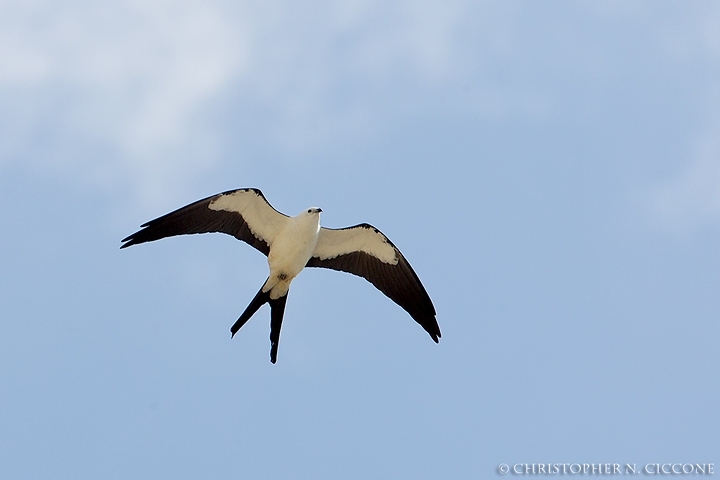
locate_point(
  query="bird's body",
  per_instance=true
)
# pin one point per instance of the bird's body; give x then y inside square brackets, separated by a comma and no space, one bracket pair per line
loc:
[293,243]
[291,250]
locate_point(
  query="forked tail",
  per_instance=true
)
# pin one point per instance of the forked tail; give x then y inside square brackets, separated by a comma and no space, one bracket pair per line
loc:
[277,310]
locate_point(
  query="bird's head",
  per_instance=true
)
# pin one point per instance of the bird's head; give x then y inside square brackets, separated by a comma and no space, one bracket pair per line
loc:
[313,211]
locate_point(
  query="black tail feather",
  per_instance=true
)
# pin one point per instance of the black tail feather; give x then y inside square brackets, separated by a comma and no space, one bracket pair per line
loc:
[277,309]
[257,302]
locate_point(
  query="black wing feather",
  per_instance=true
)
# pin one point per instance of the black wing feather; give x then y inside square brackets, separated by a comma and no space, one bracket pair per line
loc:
[398,282]
[198,218]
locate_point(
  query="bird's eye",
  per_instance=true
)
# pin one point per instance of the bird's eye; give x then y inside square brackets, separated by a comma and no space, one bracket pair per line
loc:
[309,210]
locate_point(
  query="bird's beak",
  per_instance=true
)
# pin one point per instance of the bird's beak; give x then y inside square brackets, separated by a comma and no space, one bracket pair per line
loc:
[319,210]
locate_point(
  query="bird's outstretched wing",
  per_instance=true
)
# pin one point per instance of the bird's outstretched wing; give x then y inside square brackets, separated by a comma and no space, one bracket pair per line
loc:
[363,250]
[244,214]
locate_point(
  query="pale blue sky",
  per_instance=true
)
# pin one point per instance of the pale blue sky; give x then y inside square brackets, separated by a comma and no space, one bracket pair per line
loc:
[550,169]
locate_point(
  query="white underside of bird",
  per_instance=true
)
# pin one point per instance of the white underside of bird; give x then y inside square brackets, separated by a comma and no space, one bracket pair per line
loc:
[291,250]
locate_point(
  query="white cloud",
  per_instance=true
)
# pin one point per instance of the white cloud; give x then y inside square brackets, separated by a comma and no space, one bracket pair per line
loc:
[112,88]
[109,92]
[692,198]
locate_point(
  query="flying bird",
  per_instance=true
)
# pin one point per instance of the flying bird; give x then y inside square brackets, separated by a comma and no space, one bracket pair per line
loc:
[293,243]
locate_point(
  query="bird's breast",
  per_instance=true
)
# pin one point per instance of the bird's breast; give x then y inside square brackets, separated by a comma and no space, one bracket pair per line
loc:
[292,249]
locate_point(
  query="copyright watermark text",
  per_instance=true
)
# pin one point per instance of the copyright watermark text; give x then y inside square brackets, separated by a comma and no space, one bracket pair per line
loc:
[607,469]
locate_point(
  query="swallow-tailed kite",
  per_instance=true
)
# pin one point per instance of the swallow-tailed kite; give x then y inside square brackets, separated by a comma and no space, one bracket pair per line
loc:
[293,243]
